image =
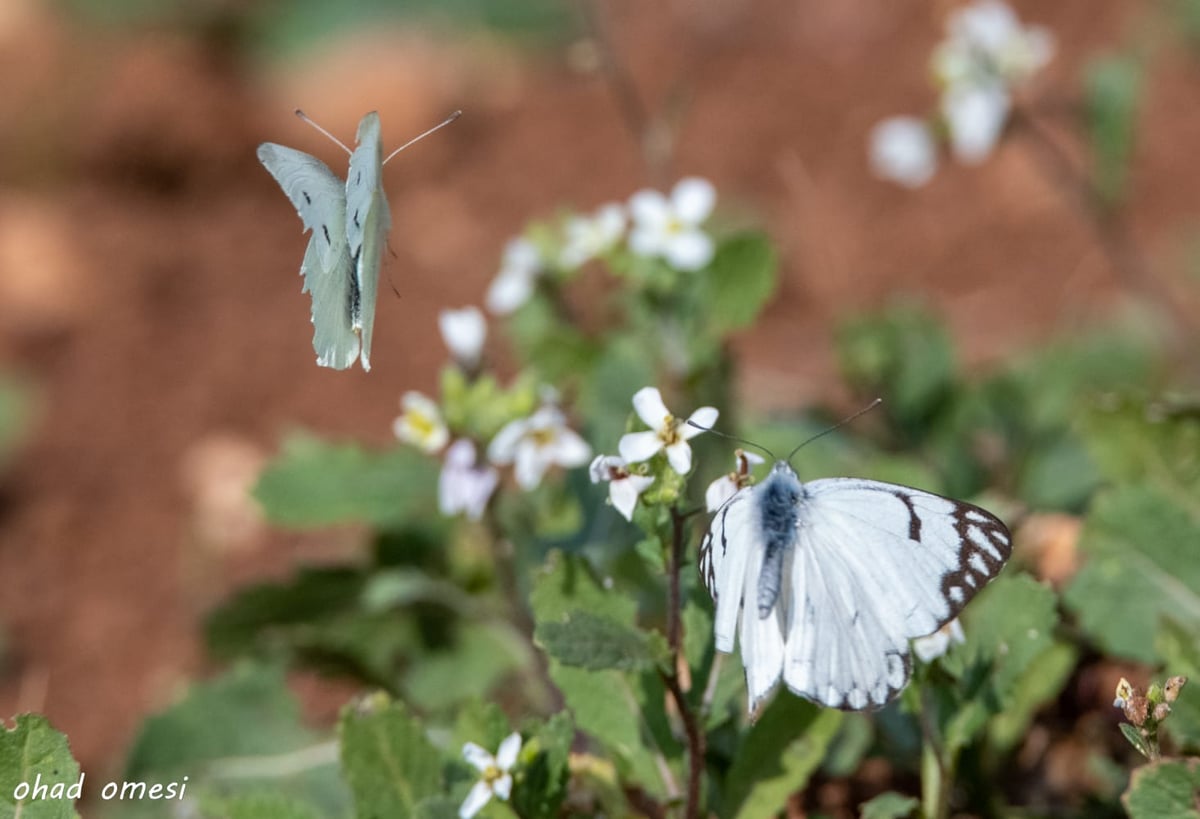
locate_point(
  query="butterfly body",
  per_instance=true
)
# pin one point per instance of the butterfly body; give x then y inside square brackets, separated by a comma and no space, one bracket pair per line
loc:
[824,583]
[348,222]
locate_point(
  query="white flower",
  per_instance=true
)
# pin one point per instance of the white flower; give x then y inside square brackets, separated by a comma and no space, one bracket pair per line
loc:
[536,443]
[496,774]
[421,423]
[985,43]
[623,486]
[671,227]
[903,151]
[930,647]
[975,117]
[1124,693]
[665,433]
[464,332]
[728,485]
[513,285]
[590,236]
[464,486]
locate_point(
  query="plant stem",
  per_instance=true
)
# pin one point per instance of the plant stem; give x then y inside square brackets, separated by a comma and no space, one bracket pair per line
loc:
[936,772]
[691,725]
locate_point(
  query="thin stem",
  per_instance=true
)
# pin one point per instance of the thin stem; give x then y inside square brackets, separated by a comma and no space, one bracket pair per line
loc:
[691,725]
[936,770]
[1111,231]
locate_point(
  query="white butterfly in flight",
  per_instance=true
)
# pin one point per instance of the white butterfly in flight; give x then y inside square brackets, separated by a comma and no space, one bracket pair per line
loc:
[833,577]
[349,223]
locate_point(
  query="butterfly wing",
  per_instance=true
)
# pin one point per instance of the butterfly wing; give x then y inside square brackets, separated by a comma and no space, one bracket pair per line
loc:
[367,223]
[320,199]
[876,565]
[731,557]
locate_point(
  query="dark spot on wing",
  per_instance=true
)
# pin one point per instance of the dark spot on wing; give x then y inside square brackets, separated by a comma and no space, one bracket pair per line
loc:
[325,230]
[981,536]
[914,520]
[357,224]
[307,198]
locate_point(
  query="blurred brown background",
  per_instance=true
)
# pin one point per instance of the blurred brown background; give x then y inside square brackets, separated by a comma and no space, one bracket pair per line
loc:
[149,288]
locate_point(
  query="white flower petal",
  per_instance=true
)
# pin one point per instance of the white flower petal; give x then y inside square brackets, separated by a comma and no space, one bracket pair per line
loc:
[502,787]
[464,332]
[718,492]
[602,466]
[975,117]
[508,291]
[649,406]
[479,796]
[649,209]
[503,448]
[520,254]
[646,241]
[636,447]
[530,465]
[461,454]
[478,757]
[569,450]
[679,455]
[693,199]
[690,250]
[506,754]
[902,150]
[704,417]
[623,494]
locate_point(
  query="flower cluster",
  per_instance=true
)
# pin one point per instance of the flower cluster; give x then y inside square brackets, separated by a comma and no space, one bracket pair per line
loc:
[667,434]
[652,225]
[1145,710]
[985,56]
[531,443]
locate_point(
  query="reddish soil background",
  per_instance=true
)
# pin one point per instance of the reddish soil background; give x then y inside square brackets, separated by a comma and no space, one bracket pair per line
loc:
[149,287]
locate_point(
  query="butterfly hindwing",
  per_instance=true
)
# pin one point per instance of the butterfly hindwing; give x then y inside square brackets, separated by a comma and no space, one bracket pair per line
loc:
[872,565]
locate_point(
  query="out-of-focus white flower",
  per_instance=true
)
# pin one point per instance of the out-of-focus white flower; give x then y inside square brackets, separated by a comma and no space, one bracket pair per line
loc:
[930,647]
[975,117]
[495,774]
[986,43]
[421,424]
[903,150]
[536,443]
[465,486]
[1124,693]
[464,332]
[666,431]
[513,285]
[623,486]
[590,236]
[728,485]
[671,228]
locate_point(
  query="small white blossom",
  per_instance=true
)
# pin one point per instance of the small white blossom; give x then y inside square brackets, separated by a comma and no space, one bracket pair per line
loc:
[590,236]
[902,150]
[464,332]
[666,432]
[513,285]
[671,228]
[932,646]
[421,423]
[536,443]
[1124,693]
[986,43]
[463,485]
[495,774]
[975,117]
[623,486]
[728,485]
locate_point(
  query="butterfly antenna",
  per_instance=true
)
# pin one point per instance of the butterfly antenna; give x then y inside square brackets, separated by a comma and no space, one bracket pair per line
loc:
[770,454]
[305,117]
[418,138]
[836,426]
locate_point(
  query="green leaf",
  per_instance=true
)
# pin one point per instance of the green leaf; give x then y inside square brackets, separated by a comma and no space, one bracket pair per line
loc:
[890,805]
[1041,683]
[1142,564]
[586,640]
[386,759]
[313,483]
[541,781]
[1112,88]
[741,280]
[32,754]
[1136,739]
[778,755]
[1147,442]
[620,369]
[1164,790]
[481,657]
[257,806]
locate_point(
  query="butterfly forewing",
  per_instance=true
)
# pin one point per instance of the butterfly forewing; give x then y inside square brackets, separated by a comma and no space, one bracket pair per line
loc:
[367,222]
[873,565]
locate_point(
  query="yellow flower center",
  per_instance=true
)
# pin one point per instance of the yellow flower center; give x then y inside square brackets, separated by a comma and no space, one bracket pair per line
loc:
[670,431]
[423,426]
[543,437]
[492,774]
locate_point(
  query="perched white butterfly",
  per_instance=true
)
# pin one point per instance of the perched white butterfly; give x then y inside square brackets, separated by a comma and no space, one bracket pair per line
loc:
[349,224]
[833,577]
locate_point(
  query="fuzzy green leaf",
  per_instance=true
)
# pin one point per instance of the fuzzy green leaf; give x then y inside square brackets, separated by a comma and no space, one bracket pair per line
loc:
[890,805]
[778,755]
[33,753]
[586,640]
[1143,553]
[1164,790]
[314,483]
[1136,739]
[264,805]
[742,278]
[386,759]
